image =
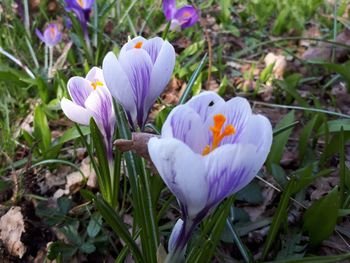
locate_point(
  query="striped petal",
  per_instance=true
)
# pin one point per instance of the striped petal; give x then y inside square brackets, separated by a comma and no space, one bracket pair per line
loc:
[182,171]
[131,44]
[153,47]
[189,130]
[229,168]
[137,66]
[75,112]
[79,90]
[95,74]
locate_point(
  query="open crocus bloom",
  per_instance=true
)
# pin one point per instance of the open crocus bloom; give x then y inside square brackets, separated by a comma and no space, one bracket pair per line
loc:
[91,98]
[51,35]
[183,17]
[208,150]
[139,75]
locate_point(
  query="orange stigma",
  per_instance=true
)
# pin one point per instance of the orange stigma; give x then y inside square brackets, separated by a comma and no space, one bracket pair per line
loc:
[80,3]
[52,32]
[96,83]
[218,136]
[138,45]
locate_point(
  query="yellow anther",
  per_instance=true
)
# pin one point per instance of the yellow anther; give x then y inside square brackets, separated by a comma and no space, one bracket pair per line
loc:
[138,44]
[97,83]
[218,136]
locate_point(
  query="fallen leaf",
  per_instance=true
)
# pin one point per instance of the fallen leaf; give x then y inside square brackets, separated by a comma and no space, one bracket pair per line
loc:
[280,64]
[12,227]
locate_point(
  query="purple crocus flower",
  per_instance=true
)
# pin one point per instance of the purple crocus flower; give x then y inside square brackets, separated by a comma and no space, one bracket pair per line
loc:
[51,35]
[139,75]
[82,9]
[208,150]
[91,98]
[183,17]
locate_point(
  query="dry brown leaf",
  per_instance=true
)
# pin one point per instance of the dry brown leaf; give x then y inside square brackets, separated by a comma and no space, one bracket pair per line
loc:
[280,64]
[12,227]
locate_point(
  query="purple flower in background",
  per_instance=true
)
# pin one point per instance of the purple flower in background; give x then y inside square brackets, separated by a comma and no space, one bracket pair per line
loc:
[82,9]
[208,150]
[183,17]
[139,75]
[51,35]
[91,98]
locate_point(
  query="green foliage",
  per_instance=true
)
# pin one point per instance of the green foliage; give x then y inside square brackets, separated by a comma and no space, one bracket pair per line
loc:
[288,14]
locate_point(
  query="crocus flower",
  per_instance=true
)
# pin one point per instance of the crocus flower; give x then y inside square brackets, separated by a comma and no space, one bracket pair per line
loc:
[183,17]
[91,98]
[139,75]
[208,150]
[51,35]
[82,9]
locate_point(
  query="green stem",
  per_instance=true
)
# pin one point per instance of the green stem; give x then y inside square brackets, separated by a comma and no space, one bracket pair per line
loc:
[165,33]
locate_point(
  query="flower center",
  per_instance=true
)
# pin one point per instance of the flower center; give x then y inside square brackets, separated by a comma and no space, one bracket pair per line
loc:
[218,136]
[138,44]
[96,83]
[80,3]
[186,14]
[52,32]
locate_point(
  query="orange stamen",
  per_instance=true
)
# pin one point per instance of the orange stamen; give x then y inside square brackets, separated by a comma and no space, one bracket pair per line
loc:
[52,32]
[138,44]
[218,136]
[96,83]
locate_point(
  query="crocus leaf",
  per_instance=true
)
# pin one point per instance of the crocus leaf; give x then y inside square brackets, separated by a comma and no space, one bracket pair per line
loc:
[325,209]
[104,178]
[116,223]
[41,129]
[279,217]
[317,259]
[280,140]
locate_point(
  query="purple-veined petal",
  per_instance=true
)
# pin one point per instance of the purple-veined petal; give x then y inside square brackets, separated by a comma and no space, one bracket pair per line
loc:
[186,16]
[79,90]
[229,168]
[137,66]
[169,9]
[95,74]
[184,124]
[153,47]
[206,103]
[131,45]
[75,112]
[173,239]
[40,35]
[118,83]
[183,172]
[161,72]
[101,105]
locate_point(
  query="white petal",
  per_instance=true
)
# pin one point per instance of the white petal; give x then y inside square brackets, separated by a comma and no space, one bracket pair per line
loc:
[182,171]
[75,112]
[118,83]
[161,73]
[95,74]
[184,124]
[230,168]
[258,131]
[205,104]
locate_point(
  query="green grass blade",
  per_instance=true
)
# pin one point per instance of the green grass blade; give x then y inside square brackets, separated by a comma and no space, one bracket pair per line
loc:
[116,223]
[192,80]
